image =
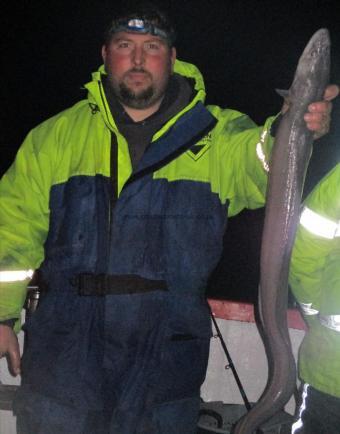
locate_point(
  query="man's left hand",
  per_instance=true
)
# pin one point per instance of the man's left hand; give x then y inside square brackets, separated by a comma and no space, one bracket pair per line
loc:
[318,117]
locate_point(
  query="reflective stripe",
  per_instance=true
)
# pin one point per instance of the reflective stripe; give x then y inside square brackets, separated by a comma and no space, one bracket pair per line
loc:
[15,276]
[259,151]
[331,321]
[299,424]
[307,309]
[319,225]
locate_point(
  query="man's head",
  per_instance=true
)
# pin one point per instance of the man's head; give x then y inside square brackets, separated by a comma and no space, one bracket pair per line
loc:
[142,17]
[139,56]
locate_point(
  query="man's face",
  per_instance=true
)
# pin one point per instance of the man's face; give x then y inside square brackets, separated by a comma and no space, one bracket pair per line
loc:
[138,68]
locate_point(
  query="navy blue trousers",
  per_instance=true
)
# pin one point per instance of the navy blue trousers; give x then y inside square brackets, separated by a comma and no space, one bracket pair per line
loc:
[121,364]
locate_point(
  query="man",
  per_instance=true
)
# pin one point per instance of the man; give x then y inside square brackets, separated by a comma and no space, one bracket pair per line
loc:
[122,202]
[315,281]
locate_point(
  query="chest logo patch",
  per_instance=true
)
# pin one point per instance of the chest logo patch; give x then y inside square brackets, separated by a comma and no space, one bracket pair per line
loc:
[200,148]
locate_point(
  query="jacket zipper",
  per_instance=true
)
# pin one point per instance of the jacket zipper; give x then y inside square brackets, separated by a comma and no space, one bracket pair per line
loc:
[113,172]
[114,185]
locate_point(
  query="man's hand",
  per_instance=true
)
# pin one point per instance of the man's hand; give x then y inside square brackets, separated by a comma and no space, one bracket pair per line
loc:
[9,347]
[318,117]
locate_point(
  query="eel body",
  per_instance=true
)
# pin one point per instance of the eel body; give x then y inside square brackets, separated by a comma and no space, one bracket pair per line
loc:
[290,156]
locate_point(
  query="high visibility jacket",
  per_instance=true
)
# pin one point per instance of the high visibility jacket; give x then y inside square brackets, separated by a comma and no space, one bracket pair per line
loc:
[315,281]
[71,202]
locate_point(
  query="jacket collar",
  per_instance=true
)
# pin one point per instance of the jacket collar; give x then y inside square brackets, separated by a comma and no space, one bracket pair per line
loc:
[96,94]
[190,128]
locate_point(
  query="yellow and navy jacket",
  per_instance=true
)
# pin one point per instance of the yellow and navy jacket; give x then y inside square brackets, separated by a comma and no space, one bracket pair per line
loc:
[315,282]
[71,203]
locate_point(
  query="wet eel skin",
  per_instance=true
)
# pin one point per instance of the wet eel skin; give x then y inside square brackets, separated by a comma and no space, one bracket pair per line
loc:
[290,156]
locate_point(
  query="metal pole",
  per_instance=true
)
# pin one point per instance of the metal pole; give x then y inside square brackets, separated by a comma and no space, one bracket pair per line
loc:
[231,364]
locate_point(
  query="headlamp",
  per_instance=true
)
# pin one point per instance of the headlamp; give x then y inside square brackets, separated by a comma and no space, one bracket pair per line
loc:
[139,25]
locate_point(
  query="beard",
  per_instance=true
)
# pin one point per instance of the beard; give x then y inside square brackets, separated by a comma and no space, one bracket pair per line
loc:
[140,100]
[136,100]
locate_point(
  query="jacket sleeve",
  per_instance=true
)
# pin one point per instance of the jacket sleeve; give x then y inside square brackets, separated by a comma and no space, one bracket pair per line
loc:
[24,215]
[315,257]
[243,159]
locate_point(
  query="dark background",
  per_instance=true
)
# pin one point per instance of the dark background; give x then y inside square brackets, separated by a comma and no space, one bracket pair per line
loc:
[245,49]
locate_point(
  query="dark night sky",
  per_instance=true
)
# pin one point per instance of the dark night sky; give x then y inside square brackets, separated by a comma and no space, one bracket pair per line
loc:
[245,49]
